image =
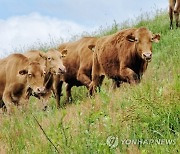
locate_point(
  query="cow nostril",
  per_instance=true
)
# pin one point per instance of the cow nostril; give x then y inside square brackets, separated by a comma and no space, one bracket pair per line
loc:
[62,70]
[144,54]
[147,55]
[41,89]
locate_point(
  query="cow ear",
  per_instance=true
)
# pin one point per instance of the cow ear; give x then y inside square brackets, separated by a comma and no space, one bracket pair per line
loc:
[92,47]
[64,52]
[156,38]
[131,38]
[43,55]
[23,72]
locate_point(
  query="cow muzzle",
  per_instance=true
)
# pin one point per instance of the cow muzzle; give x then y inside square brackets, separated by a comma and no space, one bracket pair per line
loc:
[62,70]
[40,91]
[147,56]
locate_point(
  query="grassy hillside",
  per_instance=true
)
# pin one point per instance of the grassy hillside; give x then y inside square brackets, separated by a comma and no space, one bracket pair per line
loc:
[148,112]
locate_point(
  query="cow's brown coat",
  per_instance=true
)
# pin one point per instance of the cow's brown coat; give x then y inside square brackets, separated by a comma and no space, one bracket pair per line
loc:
[52,61]
[78,63]
[19,77]
[122,56]
[174,8]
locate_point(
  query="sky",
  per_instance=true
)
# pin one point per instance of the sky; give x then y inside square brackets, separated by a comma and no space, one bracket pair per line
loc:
[27,23]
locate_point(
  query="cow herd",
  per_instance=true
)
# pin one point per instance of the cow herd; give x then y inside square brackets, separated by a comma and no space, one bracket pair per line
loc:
[122,57]
[29,74]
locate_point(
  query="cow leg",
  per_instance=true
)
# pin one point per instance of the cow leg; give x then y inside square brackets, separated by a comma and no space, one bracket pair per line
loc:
[13,96]
[57,91]
[96,77]
[19,97]
[83,78]
[44,100]
[2,105]
[9,105]
[96,82]
[101,78]
[116,84]
[4,109]
[177,18]
[68,92]
[171,17]
[22,103]
[129,75]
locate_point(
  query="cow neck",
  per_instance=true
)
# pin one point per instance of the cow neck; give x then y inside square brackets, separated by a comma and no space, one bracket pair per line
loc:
[49,74]
[28,92]
[48,80]
[21,90]
[137,64]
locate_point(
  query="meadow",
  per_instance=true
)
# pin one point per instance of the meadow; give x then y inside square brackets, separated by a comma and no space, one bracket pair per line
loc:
[148,113]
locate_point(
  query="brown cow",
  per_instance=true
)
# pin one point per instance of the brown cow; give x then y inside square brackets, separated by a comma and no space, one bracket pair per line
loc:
[78,63]
[52,60]
[123,56]
[19,77]
[174,8]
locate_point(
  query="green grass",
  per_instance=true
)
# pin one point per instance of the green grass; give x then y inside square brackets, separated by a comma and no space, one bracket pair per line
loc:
[150,110]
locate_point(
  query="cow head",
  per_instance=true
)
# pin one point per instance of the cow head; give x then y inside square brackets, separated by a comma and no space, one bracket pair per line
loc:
[54,61]
[35,74]
[143,40]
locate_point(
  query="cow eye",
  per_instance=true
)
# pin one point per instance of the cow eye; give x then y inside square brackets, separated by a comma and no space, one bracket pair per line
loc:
[62,56]
[30,75]
[136,40]
[49,58]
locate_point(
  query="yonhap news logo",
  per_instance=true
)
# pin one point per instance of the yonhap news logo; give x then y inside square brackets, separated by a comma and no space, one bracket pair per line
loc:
[148,141]
[113,141]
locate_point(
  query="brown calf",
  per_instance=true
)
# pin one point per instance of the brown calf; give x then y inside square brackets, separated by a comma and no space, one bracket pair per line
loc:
[52,60]
[19,78]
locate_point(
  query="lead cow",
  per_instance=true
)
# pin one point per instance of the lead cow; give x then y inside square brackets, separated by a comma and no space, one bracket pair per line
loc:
[19,78]
[174,8]
[123,56]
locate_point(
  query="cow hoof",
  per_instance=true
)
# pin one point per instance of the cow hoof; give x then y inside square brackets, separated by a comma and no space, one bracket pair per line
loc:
[45,108]
[92,91]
